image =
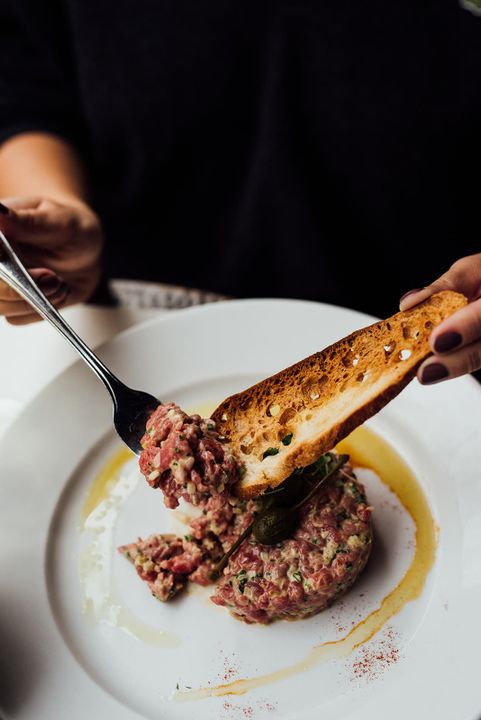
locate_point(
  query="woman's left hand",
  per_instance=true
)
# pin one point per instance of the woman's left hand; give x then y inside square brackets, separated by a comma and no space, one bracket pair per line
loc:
[456,342]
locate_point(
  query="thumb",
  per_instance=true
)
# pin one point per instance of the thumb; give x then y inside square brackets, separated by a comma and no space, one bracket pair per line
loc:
[463,276]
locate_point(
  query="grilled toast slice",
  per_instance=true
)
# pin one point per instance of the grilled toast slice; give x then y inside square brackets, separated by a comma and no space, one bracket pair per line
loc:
[290,419]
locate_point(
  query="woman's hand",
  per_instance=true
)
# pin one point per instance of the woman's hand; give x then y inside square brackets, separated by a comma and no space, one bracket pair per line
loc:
[60,243]
[456,342]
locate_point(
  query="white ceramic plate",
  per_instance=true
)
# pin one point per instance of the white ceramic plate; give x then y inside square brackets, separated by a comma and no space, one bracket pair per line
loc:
[57,662]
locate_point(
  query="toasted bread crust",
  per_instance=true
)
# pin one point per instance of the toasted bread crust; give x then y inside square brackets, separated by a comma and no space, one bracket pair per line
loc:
[322,398]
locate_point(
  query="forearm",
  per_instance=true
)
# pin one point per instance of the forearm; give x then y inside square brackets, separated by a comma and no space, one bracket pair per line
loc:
[39,164]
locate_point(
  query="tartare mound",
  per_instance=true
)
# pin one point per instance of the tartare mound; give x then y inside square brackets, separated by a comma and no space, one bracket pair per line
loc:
[304,574]
[261,583]
[186,457]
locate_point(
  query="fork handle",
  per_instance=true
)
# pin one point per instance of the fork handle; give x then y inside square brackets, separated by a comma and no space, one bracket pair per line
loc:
[13,272]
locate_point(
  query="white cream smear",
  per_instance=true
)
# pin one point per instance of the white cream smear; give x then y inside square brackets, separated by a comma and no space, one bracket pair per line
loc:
[108,495]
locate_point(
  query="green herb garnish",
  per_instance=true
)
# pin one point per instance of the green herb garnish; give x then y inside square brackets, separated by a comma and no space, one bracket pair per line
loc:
[242,584]
[297,576]
[287,439]
[270,451]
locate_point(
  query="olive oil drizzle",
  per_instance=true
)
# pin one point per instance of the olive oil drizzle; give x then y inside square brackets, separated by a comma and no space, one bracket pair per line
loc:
[105,481]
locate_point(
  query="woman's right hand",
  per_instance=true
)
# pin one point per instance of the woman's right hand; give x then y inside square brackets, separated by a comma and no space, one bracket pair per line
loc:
[60,243]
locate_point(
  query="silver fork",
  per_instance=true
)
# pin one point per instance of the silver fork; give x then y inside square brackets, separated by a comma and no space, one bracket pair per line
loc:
[131,407]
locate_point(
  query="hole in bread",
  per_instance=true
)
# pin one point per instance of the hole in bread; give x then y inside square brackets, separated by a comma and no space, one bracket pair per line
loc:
[287,414]
[405,354]
[362,377]
[388,325]
[246,449]
[389,347]
[356,360]
[313,387]
[274,410]
[409,332]
[428,324]
[223,417]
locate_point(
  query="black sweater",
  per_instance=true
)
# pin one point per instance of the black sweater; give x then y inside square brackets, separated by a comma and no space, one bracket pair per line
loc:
[306,148]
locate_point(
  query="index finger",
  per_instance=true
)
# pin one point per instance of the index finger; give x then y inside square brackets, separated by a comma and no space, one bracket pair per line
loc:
[27,202]
[7,293]
[463,276]
[461,328]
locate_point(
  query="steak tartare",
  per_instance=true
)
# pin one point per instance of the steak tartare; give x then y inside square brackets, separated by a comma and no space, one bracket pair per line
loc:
[303,574]
[185,456]
[295,578]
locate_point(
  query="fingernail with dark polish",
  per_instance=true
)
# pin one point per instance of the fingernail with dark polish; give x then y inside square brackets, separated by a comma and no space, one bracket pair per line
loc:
[49,283]
[447,341]
[433,372]
[410,292]
[4,209]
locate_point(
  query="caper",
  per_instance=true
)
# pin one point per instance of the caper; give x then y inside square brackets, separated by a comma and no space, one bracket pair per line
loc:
[274,526]
[266,501]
